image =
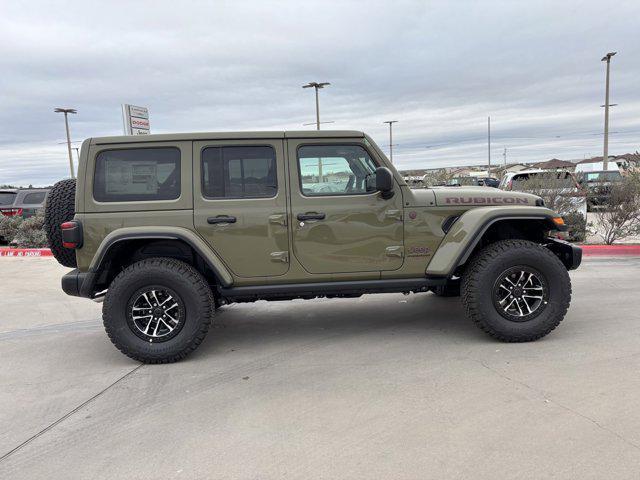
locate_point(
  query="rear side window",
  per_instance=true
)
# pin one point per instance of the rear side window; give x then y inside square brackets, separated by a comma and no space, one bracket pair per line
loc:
[34,198]
[137,174]
[239,172]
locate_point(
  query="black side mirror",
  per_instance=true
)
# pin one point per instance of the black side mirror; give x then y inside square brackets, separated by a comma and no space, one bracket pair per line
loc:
[384,182]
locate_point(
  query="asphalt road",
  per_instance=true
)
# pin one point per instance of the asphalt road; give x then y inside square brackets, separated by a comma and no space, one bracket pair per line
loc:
[381,387]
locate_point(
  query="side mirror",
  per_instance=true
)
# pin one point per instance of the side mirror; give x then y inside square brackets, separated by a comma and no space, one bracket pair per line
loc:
[384,182]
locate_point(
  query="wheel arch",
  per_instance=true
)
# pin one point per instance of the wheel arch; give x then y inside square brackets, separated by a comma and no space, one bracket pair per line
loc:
[125,246]
[479,227]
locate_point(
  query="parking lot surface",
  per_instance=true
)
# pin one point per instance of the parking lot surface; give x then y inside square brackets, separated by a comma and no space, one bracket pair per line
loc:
[386,386]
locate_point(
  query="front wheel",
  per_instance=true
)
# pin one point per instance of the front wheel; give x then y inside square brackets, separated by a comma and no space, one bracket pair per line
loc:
[158,310]
[516,290]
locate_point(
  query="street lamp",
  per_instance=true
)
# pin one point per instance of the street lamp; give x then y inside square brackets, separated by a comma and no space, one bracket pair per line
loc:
[391,122]
[67,111]
[317,86]
[605,154]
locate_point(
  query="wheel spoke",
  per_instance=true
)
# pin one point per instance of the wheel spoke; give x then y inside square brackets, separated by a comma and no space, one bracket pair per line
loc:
[519,309]
[144,295]
[526,305]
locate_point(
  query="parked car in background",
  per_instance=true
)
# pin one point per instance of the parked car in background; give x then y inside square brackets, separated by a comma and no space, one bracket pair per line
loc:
[598,185]
[559,188]
[7,199]
[489,182]
[26,202]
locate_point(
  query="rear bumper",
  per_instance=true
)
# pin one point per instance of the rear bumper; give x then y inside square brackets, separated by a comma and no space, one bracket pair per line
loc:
[569,255]
[78,284]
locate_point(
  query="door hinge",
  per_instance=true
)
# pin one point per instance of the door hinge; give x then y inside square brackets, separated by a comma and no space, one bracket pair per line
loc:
[395,251]
[279,257]
[397,214]
[278,219]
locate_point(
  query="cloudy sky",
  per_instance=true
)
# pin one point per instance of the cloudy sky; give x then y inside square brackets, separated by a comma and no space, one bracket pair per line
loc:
[438,67]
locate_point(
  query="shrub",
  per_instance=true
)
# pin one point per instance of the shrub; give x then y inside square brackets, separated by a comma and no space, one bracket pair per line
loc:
[30,233]
[619,215]
[576,227]
[9,228]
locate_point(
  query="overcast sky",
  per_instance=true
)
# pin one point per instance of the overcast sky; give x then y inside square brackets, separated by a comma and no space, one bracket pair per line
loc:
[439,68]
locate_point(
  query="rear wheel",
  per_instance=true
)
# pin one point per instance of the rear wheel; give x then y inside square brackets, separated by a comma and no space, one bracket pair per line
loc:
[516,290]
[60,208]
[158,310]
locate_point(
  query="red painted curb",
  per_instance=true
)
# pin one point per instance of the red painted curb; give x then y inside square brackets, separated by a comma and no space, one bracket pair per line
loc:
[587,250]
[25,252]
[610,250]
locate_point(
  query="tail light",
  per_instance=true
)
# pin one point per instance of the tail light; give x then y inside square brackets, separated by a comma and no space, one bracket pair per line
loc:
[12,212]
[71,234]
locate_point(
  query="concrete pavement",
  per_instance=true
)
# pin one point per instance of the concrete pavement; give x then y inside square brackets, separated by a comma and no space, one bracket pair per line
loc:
[383,386]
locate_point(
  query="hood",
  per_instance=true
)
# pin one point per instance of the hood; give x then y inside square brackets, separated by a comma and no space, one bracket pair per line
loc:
[481,196]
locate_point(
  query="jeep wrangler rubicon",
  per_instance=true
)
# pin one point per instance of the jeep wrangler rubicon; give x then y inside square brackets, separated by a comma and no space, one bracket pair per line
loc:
[168,228]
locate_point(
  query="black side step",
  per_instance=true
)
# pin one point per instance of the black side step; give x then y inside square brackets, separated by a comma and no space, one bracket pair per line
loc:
[332,288]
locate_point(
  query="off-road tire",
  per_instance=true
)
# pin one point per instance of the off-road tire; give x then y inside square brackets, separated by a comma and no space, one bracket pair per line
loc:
[450,289]
[485,269]
[60,208]
[181,278]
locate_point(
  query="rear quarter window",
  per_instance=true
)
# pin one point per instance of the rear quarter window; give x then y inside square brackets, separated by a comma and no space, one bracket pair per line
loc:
[137,174]
[36,198]
[7,198]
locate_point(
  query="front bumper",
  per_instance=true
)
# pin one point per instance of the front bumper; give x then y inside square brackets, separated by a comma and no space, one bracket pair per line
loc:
[570,255]
[78,284]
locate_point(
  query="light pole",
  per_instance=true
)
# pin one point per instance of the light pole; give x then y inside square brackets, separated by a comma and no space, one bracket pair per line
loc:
[67,111]
[605,154]
[317,86]
[391,122]
[489,142]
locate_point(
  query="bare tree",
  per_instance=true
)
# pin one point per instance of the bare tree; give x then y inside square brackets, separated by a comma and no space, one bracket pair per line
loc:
[557,189]
[436,177]
[619,215]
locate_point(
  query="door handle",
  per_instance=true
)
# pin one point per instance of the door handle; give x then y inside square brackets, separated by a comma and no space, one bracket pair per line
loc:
[221,219]
[310,216]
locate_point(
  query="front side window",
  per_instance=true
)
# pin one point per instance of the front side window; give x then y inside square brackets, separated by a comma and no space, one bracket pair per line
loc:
[239,172]
[137,174]
[335,170]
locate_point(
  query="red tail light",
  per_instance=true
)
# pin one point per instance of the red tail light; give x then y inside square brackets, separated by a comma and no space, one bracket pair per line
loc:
[71,234]
[12,212]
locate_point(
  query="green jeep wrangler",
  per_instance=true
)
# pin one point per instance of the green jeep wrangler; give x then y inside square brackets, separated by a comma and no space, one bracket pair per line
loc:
[168,228]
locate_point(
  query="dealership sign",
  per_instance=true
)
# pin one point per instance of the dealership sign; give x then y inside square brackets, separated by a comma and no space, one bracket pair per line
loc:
[135,120]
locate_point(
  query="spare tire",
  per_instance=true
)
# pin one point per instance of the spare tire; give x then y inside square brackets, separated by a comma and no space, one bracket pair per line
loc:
[60,208]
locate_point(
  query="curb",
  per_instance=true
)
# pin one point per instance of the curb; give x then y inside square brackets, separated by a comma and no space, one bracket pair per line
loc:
[610,250]
[587,251]
[25,252]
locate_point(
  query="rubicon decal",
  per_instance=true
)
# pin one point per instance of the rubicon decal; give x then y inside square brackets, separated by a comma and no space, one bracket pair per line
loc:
[487,200]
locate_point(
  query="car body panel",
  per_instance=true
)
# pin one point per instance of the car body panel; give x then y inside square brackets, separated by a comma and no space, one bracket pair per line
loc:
[257,243]
[364,237]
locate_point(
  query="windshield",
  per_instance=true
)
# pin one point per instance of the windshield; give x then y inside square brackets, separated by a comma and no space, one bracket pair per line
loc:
[7,198]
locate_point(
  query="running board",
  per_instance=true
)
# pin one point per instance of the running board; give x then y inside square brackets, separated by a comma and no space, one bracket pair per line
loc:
[319,289]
